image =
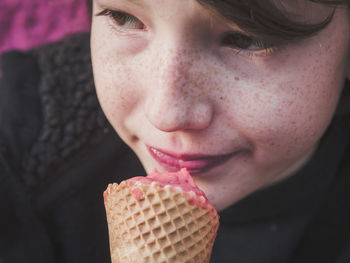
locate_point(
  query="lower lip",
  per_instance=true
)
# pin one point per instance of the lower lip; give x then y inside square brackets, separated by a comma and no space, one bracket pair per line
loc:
[193,166]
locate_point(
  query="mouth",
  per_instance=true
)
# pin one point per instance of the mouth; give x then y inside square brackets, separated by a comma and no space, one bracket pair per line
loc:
[195,164]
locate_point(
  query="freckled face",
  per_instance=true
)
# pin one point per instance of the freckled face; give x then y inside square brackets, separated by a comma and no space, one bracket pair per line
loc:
[166,79]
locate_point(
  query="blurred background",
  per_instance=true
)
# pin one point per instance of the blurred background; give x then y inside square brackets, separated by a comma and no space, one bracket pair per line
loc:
[25,24]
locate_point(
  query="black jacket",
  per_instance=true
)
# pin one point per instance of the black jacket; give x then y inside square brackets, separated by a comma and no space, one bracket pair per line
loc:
[58,153]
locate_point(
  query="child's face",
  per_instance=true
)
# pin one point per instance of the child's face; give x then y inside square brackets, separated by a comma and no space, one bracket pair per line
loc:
[237,119]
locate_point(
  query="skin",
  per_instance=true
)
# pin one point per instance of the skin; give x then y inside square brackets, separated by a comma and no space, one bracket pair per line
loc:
[167,81]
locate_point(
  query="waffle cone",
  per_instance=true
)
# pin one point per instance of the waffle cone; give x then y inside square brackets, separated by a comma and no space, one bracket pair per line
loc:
[158,224]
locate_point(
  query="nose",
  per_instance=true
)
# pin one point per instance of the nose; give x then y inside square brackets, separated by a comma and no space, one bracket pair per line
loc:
[178,99]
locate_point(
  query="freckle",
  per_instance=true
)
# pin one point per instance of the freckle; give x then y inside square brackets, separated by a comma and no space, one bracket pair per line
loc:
[221,98]
[236,78]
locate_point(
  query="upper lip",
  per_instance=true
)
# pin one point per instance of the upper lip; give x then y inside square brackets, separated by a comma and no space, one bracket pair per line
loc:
[194,163]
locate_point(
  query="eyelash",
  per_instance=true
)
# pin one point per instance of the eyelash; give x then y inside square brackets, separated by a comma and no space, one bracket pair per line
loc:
[262,48]
[120,18]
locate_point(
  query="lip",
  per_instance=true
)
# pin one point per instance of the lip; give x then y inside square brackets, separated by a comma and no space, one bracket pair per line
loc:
[196,164]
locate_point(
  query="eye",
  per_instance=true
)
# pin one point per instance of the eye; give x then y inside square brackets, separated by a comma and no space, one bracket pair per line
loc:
[244,42]
[122,19]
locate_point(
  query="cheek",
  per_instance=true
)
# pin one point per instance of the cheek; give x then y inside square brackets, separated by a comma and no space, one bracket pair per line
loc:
[285,104]
[116,71]
[283,113]
[116,85]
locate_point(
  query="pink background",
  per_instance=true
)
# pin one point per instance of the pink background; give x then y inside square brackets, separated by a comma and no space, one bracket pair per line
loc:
[29,23]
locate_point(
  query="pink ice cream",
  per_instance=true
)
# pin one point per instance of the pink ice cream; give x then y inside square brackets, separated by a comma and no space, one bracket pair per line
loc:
[178,181]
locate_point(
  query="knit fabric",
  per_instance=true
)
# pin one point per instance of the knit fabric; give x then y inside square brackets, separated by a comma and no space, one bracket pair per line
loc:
[70,106]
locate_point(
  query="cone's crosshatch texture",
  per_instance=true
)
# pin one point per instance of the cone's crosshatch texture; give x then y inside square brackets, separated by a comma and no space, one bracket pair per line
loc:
[159,224]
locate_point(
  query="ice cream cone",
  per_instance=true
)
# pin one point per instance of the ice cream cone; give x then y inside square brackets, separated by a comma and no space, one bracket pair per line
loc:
[153,223]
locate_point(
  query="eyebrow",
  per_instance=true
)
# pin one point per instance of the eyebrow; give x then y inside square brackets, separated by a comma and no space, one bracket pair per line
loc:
[140,3]
[134,2]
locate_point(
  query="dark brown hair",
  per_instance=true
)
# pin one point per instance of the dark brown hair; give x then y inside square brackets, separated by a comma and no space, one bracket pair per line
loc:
[267,20]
